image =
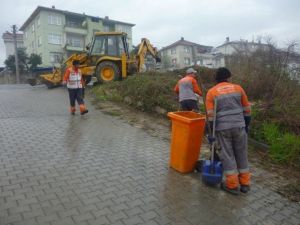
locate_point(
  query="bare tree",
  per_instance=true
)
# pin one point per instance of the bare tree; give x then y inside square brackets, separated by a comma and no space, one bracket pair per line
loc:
[270,75]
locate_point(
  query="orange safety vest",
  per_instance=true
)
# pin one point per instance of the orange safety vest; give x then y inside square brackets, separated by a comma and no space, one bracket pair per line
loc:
[232,105]
[73,78]
[186,88]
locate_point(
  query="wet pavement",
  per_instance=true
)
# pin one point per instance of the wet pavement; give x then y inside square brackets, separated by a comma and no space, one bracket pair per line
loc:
[97,169]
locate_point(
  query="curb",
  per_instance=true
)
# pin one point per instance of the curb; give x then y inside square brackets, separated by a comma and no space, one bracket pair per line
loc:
[258,145]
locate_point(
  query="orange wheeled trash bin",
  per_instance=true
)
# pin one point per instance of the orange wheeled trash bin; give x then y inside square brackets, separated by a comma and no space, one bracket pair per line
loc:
[187,134]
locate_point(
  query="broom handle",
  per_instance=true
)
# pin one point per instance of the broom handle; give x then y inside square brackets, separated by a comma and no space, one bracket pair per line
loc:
[214,130]
[204,102]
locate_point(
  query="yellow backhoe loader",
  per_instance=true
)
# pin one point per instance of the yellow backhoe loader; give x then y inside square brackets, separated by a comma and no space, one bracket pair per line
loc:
[107,58]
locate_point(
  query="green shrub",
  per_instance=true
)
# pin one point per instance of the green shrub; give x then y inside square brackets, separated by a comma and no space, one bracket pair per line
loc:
[284,146]
[146,91]
[271,132]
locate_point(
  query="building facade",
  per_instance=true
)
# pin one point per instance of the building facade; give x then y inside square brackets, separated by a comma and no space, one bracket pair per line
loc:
[56,34]
[183,53]
[8,39]
[231,47]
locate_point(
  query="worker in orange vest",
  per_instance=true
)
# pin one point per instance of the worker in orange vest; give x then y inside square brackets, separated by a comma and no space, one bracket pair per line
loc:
[74,81]
[186,88]
[232,120]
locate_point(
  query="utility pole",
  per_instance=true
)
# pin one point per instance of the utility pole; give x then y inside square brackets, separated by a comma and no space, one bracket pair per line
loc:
[16,53]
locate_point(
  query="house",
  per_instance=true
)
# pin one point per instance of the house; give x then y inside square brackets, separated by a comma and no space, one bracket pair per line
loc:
[288,57]
[183,53]
[231,47]
[56,34]
[8,39]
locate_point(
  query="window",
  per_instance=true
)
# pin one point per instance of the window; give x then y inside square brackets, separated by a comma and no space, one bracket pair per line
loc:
[75,24]
[38,21]
[200,62]
[55,57]
[39,41]
[75,41]
[200,50]
[187,61]
[25,34]
[106,28]
[173,51]
[112,45]
[187,49]
[54,39]
[99,45]
[54,19]
[124,29]
[174,61]
[121,46]
[32,28]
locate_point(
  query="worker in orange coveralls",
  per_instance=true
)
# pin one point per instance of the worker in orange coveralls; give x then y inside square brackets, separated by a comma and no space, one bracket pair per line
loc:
[74,81]
[233,116]
[186,89]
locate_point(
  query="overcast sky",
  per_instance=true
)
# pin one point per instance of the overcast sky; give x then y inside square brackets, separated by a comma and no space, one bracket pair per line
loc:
[206,22]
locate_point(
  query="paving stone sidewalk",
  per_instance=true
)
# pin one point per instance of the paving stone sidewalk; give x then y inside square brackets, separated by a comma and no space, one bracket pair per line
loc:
[58,169]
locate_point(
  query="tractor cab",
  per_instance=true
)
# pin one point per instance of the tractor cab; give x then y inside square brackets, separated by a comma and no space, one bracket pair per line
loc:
[112,44]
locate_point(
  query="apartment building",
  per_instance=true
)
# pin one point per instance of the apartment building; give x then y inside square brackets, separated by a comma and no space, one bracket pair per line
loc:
[56,34]
[8,39]
[184,53]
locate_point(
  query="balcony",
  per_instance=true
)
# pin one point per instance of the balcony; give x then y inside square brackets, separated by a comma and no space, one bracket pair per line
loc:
[72,48]
[76,30]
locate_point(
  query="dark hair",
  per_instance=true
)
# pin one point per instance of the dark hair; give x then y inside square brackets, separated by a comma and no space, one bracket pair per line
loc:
[76,62]
[222,74]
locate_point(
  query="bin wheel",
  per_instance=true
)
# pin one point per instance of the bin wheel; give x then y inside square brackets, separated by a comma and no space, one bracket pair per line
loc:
[198,167]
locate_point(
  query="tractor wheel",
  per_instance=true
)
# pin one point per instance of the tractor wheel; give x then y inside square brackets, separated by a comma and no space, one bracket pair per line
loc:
[108,71]
[198,167]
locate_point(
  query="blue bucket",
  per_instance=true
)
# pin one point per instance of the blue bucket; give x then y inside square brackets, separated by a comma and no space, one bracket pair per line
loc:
[212,172]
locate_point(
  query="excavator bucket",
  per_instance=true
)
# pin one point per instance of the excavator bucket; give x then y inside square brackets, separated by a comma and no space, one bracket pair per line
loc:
[52,80]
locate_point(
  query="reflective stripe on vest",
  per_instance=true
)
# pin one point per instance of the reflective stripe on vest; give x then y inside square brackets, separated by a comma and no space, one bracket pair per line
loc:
[74,80]
[229,112]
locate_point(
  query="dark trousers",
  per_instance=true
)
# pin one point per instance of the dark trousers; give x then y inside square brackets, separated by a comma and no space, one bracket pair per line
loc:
[75,95]
[189,105]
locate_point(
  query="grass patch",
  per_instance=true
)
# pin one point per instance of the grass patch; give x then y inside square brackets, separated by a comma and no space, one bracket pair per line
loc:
[284,146]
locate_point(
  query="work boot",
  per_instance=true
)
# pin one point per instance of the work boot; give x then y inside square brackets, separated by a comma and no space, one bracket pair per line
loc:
[84,112]
[245,188]
[234,191]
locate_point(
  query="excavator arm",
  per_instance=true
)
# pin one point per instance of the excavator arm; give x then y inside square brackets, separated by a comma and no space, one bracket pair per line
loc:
[146,47]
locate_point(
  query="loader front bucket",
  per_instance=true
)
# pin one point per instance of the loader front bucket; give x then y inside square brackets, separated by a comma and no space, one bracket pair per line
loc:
[51,80]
